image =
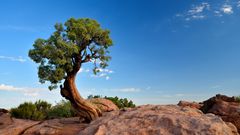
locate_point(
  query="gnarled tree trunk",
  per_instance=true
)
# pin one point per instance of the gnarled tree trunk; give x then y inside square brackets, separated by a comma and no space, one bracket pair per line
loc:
[84,108]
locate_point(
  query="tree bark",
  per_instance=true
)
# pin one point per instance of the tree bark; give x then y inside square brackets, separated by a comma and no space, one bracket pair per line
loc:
[84,108]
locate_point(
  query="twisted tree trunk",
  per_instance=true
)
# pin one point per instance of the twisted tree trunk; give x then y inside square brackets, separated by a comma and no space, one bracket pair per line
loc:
[84,108]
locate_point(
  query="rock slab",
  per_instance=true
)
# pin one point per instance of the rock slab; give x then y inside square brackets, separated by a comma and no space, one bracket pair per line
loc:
[64,126]
[104,105]
[228,108]
[190,104]
[17,127]
[159,120]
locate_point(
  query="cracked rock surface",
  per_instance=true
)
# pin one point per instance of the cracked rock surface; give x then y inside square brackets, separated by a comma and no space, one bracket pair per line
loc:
[159,120]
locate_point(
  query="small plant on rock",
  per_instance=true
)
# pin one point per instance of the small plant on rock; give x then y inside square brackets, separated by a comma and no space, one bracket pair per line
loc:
[61,109]
[119,102]
[33,111]
[238,99]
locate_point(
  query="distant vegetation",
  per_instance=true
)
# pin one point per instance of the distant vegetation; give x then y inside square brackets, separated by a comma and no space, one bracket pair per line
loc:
[119,102]
[61,109]
[33,111]
[41,110]
[238,98]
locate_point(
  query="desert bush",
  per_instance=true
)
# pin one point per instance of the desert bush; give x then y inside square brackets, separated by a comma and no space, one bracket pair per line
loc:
[94,96]
[238,98]
[119,102]
[61,109]
[33,111]
[41,110]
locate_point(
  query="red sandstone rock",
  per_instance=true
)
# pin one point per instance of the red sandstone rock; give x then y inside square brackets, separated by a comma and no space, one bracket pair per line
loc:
[17,127]
[225,107]
[64,126]
[190,104]
[5,120]
[159,120]
[104,105]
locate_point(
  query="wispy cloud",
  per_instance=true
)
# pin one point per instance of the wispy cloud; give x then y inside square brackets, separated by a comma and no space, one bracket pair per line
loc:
[207,10]
[18,59]
[227,9]
[103,73]
[238,3]
[128,90]
[196,12]
[26,91]
[199,8]
[83,70]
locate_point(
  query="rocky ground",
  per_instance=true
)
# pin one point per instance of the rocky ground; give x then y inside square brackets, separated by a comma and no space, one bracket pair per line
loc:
[218,115]
[228,108]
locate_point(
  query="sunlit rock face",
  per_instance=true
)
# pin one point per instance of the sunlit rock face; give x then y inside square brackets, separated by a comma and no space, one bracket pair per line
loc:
[104,105]
[228,108]
[159,120]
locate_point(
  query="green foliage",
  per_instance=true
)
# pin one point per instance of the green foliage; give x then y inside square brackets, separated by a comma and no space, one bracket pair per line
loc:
[41,110]
[33,111]
[94,96]
[62,109]
[76,42]
[119,102]
[238,98]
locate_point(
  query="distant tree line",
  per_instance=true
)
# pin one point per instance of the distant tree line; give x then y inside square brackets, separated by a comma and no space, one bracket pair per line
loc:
[41,110]
[119,102]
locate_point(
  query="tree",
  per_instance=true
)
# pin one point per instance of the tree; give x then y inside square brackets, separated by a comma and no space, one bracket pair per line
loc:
[61,56]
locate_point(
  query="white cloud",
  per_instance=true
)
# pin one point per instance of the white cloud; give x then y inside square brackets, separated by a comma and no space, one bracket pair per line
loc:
[196,12]
[227,9]
[205,10]
[9,88]
[199,9]
[104,73]
[19,59]
[238,4]
[105,70]
[128,90]
[25,90]
[83,70]
[198,16]
[218,13]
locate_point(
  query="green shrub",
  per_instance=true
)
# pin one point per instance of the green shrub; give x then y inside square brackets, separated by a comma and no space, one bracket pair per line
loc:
[94,96]
[41,110]
[119,102]
[28,110]
[238,98]
[61,109]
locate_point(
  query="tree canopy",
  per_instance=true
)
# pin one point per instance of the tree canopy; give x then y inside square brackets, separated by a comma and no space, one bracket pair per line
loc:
[76,42]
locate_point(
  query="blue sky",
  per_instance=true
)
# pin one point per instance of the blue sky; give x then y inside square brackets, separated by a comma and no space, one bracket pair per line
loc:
[164,51]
